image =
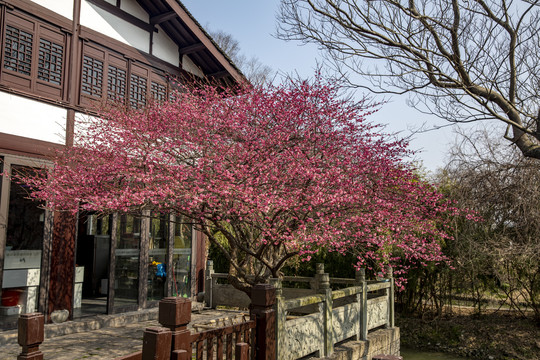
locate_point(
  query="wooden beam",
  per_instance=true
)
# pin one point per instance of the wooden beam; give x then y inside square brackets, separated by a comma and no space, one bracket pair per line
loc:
[192,49]
[123,15]
[158,19]
[194,27]
[219,74]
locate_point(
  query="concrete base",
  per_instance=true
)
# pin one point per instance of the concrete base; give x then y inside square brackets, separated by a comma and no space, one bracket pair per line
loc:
[382,341]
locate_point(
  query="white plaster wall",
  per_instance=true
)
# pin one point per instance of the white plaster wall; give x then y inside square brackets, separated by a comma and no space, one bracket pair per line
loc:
[82,122]
[131,7]
[62,7]
[104,22]
[32,119]
[164,48]
[189,66]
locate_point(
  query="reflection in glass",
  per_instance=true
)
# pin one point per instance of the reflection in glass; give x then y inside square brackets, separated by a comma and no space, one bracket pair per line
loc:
[22,257]
[157,253]
[182,258]
[127,260]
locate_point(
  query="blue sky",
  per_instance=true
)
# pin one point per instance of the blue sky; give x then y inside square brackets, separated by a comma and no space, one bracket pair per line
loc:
[253,24]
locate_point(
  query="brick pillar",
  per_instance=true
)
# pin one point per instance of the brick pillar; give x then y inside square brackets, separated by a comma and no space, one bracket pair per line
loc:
[263,298]
[31,335]
[175,315]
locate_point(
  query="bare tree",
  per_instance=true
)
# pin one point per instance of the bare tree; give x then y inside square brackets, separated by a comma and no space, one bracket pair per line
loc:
[253,68]
[462,60]
[504,188]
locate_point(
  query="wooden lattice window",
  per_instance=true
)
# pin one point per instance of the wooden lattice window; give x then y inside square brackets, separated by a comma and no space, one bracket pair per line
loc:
[50,61]
[116,83]
[18,50]
[92,76]
[159,91]
[137,91]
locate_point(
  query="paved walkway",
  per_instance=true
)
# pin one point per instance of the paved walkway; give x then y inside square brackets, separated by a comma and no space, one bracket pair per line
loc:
[104,343]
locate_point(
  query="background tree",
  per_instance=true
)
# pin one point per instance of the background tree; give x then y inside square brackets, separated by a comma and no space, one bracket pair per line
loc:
[502,253]
[267,173]
[460,60]
[255,71]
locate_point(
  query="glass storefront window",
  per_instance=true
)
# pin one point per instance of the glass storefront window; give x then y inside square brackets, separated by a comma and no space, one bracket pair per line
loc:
[182,258]
[22,256]
[157,254]
[126,271]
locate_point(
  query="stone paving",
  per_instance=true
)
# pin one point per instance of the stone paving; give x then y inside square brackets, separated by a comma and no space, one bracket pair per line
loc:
[104,343]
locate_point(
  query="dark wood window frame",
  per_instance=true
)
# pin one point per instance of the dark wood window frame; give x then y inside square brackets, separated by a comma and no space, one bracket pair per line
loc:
[121,79]
[43,82]
[34,56]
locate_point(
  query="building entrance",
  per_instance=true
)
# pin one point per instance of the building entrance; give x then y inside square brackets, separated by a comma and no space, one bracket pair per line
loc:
[92,265]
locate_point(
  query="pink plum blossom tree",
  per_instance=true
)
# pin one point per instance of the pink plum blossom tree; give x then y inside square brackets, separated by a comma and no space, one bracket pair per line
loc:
[266,174]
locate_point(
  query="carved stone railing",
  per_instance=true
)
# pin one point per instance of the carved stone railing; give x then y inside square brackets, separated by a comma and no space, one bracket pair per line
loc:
[314,318]
[314,323]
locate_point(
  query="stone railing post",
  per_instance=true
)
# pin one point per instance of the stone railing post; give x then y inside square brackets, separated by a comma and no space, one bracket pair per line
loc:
[390,294]
[209,285]
[323,285]
[263,299]
[156,344]
[31,335]
[360,278]
[175,315]
[278,285]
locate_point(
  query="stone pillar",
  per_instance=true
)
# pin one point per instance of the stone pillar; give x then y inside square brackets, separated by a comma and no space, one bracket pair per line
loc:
[362,328]
[277,284]
[31,335]
[263,298]
[390,293]
[323,286]
[209,284]
[175,314]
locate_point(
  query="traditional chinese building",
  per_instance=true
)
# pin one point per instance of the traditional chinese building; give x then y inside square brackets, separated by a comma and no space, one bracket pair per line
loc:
[60,59]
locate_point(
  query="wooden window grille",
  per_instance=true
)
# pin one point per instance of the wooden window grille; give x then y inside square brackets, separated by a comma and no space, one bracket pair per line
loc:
[159,91]
[92,76]
[18,50]
[50,61]
[137,91]
[116,83]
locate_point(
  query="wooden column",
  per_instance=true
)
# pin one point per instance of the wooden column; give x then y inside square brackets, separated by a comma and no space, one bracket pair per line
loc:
[169,285]
[143,258]
[31,335]
[263,298]
[112,262]
[62,262]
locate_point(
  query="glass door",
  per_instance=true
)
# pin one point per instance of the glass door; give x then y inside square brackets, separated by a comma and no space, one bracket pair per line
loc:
[126,272]
[22,224]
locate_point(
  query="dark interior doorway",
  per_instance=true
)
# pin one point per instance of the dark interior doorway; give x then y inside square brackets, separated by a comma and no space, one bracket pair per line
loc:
[92,270]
